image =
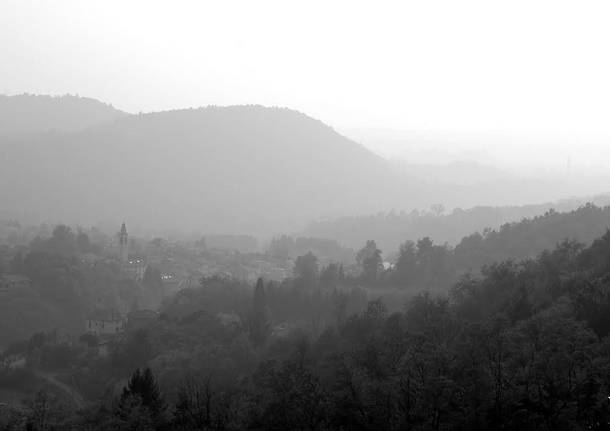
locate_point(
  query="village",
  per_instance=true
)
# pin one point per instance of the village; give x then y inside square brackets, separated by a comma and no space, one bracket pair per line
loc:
[155,269]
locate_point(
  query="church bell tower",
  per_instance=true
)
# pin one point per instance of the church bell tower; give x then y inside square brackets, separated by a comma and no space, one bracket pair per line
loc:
[123,245]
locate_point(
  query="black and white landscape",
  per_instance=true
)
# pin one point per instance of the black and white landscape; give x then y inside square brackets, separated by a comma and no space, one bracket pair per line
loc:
[317,216]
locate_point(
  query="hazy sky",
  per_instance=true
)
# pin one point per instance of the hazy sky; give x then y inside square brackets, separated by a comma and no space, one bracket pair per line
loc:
[470,65]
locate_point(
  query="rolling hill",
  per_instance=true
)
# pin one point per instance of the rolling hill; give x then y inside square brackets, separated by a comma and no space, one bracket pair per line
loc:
[232,169]
[217,170]
[390,229]
[27,113]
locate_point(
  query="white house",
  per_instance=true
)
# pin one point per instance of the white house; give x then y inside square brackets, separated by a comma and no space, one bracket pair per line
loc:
[105,322]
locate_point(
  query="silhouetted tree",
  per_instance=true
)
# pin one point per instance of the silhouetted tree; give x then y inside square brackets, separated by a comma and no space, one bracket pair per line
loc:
[331,276]
[259,318]
[82,242]
[142,398]
[370,261]
[200,406]
[306,270]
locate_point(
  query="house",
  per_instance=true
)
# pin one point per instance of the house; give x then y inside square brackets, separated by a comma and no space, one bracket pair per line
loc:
[103,349]
[229,319]
[90,259]
[139,319]
[15,361]
[135,268]
[282,330]
[105,322]
[14,282]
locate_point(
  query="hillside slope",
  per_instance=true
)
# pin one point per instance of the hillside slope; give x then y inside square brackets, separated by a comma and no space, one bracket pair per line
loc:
[218,170]
[235,169]
[529,237]
[391,229]
[26,113]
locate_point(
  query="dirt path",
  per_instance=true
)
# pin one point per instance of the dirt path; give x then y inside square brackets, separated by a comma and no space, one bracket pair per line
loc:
[72,393]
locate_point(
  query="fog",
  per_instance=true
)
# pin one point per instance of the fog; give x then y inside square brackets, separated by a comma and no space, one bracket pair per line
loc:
[571,163]
[308,216]
[520,86]
[438,65]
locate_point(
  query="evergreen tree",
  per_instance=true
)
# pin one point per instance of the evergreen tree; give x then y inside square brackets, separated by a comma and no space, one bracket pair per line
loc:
[259,319]
[306,270]
[370,261]
[142,396]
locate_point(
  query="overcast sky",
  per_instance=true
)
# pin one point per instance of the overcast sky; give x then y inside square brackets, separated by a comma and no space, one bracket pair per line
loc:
[469,65]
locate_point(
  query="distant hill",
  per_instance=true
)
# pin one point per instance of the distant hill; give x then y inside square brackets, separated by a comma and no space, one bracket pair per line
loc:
[529,237]
[391,229]
[218,170]
[241,169]
[422,264]
[27,113]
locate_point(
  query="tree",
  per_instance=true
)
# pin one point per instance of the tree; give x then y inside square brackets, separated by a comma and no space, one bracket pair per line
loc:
[132,415]
[331,275]
[142,396]
[283,246]
[370,261]
[152,282]
[425,249]
[406,265]
[437,209]
[88,339]
[82,242]
[288,397]
[45,412]
[259,317]
[199,406]
[17,265]
[306,270]
[134,352]
[340,300]
[62,241]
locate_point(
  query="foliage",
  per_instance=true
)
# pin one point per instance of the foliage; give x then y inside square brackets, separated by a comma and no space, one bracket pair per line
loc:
[141,402]
[521,345]
[259,318]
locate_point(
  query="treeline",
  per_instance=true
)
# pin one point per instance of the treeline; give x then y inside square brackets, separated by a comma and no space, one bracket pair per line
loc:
[63,286]
[323,248]
[389,229]
[422,264]
[522,346]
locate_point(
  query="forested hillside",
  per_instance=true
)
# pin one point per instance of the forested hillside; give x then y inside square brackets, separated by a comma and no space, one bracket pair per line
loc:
[423,264]
[522,346]
[61,285]
[27,114]
[250,170]
[391,228]
[531,236]
[242,169]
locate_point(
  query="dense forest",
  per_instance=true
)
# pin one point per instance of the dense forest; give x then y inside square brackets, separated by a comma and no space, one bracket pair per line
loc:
[519,344]
[65,285]
[62,285]
[304,216]
[389,229]
[424,264]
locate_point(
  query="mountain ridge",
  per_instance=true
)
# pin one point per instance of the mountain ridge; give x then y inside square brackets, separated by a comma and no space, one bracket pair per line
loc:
[217,169]
[28,113]
[224,169]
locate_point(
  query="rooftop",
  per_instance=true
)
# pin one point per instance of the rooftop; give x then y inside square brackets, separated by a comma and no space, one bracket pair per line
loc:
[105,315]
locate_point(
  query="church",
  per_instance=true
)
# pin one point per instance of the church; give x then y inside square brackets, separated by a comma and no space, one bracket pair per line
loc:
[123,251]
[135,267]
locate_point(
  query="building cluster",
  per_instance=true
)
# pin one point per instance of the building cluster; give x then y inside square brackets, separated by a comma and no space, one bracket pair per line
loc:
[107,323]
[110,322]
[12,282]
